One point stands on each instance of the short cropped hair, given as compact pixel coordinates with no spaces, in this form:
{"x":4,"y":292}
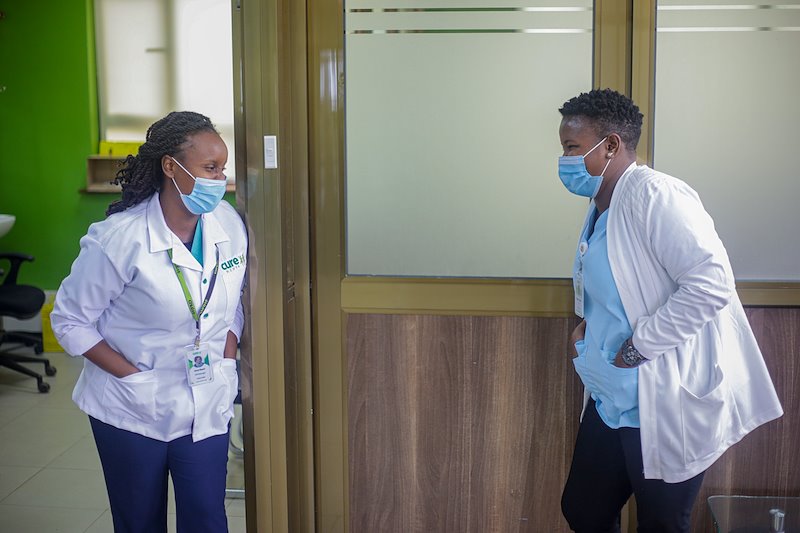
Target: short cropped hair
{"x":609,"y":112}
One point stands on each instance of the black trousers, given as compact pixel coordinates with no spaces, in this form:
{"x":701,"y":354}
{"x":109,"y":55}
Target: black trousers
{"x":606,"y":469}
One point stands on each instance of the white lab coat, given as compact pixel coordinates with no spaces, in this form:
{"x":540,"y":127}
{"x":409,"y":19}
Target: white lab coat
{"x":123,"y":289}
{"x":706,"y":385}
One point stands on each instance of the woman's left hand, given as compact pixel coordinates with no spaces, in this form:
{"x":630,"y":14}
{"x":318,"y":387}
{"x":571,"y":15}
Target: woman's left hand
{"x":231,"y":344}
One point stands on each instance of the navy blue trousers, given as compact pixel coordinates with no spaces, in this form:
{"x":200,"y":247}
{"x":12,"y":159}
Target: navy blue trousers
{"x":606,"y":469}
{"x":135,"y":468}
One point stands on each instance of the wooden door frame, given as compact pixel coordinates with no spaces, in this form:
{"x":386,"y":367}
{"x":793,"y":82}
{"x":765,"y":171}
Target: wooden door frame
{"x":270,"y":86}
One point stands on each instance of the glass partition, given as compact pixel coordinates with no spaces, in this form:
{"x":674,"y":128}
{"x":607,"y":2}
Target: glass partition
{"x":452,"y":136}
{"x":726,"y":115}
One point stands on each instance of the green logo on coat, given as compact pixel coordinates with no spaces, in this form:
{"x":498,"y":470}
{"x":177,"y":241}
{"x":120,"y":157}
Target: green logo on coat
{"x":233,"y":263}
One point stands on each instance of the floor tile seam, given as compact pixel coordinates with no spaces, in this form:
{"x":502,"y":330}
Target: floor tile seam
{"x":23,"y":482}
{"x":95,"y":470}
{"x":10,"y":433}
{"x":21,"y":465}
{"x":49,"y":463}
{"x":98,"y":470}
{"x":45,"y":406}
{"x":96,"y":520}
{"x":14,"y":417}
{"x":65,"y":452}
{"x":7,"y":399}
{"x":39,"y":473}
{"x":69,"y":507}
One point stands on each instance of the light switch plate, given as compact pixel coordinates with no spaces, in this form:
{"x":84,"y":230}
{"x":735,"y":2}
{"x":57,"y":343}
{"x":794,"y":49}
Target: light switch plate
{"x":270,"y":151}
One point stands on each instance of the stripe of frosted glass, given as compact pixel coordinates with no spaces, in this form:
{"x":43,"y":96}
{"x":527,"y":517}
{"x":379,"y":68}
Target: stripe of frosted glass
{"x":729,"y":18}
{"x":470,"y":10}
{"x":726,"y":7}
{"x":468,"y":20}
{"x":730,"y":28}
{"x":461,"y":4}
{"x":474,"y":30}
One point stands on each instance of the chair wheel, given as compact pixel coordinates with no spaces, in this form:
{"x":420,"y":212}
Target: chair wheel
{"x":50,"y":370}
{"x":44,"y":387}
{"x":38,"y":349}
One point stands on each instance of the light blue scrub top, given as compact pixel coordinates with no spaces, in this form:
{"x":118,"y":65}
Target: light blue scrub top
{"x":614,"y":390}
{"x":197,"y":242}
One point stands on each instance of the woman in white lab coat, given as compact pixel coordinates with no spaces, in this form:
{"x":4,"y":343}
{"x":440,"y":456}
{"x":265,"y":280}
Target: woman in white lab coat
{"x":671,"y":370}
{"x":153,"y":304}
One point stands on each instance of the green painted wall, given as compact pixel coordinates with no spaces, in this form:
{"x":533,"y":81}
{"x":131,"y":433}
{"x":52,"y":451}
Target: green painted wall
{"x":47,"y":128}
{"x":48,"y":125}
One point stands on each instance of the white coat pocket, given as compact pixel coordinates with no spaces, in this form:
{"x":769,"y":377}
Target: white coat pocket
{"x":214,"y":401}
{"x":230,"y":376}
{"x":131,"y":397}
{"x":588,"y":377}
{"x":709,"y":415}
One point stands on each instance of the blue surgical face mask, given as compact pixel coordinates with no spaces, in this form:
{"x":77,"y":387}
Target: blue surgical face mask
{"x":206,"y":193}
{"x":575,"y":177}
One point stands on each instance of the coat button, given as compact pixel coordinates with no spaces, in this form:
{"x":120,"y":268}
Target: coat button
{"x":205,"y":280}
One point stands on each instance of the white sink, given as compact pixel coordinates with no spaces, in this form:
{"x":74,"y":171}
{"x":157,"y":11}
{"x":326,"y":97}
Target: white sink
{"x":6,"y":221}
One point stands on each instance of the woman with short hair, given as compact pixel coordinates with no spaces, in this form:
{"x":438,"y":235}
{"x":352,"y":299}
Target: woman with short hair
{"x":672,"y":373}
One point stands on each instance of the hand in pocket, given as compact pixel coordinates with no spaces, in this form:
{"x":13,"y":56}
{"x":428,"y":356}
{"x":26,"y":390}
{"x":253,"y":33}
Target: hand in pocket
{"x":577,"y":335}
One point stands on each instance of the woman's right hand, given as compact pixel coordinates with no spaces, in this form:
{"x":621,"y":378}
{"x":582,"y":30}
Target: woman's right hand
{"x":110,"y":360}
{"x":577,"y":335}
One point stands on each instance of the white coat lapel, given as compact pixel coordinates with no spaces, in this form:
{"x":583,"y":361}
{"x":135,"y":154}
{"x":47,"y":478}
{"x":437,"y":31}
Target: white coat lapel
{"x":162,"y":238}
{"x":182,"y":257}
{"x":159,"y":235}
{"x":213,"y":234}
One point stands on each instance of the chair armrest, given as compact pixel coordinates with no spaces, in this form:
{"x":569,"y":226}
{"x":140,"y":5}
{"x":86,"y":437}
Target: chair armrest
{"x":16,"y":261}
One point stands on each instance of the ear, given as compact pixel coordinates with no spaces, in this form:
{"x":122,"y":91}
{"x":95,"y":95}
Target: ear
{"x":168,"y":166}
{"x":614,"y":145}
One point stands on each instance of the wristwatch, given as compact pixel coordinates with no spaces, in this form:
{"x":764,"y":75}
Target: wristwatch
{"x":630,"y":355}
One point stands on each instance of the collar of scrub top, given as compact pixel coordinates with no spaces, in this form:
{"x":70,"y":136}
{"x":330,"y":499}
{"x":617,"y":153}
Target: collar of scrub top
{"x":161,"y":238}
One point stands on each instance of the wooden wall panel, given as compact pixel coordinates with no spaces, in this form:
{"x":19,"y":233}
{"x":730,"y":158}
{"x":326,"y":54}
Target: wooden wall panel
{"x":467,"y":424}
{"x":459,"y":423}
{"x":767,"y":461}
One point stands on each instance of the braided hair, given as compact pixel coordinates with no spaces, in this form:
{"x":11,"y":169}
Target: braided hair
{"x":609,"y":112}
{"x":141,"y":175}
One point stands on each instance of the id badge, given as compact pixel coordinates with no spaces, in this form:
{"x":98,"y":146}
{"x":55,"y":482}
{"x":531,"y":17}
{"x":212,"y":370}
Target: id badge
{"x":577,"y":280}
{"x":577,"y":283}
{"x":198,"y":365}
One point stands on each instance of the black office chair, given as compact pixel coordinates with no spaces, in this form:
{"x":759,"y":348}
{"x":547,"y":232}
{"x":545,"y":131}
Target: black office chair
{"x":21,"y":302}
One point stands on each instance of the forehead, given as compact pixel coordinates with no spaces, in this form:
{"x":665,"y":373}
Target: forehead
{"x":205,"y":145}
{"x":576,"y":128}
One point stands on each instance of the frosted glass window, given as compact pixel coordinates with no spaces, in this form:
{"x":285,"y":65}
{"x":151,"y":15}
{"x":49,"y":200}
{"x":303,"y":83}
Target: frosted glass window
{"x":726,"y":115}
{"x":157,"y":56}
{"x":452,"y":136}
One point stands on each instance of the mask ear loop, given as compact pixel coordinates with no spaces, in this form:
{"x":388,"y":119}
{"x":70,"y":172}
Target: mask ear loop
{"x":584,"y":155}
{"x":605,"y":167}
{"x":176,"y":186}
{"x":187,"y":172}
{"x":195,"y":179}
{"x":590,"y":151}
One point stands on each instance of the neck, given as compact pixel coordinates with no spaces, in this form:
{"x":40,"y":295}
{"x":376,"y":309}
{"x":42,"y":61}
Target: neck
{"x":178,"y":218}
{"x":612,"y":176}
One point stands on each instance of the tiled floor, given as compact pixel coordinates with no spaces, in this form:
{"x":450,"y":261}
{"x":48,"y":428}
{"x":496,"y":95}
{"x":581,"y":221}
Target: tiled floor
{"x":50,"y":475}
